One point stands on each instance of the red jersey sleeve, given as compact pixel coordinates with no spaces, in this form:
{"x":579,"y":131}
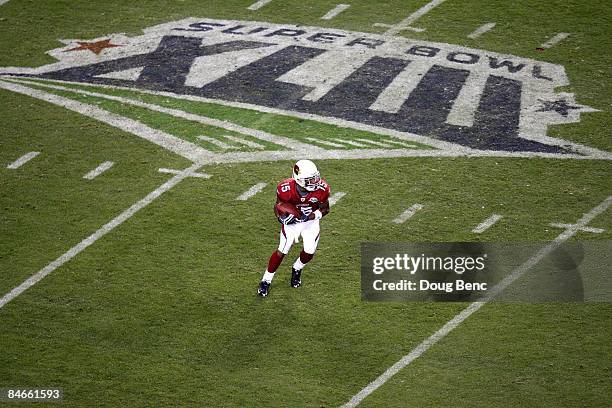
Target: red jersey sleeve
{"x":283,"y":190}
{"x":326,"y":192}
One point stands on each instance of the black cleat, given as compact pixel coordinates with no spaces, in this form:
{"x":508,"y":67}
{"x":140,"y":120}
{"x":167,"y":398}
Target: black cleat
{"x":263,"y":289}
{"x":295,"y":278}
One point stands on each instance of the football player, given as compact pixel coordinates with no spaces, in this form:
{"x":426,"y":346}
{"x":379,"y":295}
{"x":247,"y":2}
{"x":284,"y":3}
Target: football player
{"x":309,"y":193}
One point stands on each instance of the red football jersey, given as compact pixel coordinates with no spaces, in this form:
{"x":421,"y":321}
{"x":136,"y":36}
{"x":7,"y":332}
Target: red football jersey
{"x":287,"y":191}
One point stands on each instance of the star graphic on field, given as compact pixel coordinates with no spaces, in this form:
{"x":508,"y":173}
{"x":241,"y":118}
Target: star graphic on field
{"x":96,"y":47}
{"x":560,"y":106}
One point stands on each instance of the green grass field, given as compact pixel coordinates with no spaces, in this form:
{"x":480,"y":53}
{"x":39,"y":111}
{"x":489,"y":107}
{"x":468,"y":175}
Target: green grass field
{"x":162,"y":311}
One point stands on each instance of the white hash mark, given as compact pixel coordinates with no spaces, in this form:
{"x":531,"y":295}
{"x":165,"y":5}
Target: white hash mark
{"x":98,"y":170}
{"x":259,"y":4}
{"x":22,"y":160}
{"x":486,"y":224}
{"x":555,"y":40}
{"x":335,"y":11}
{"x":481,"y":30}
{"x":335,"y":197}
{"x":406,"y":215}
{"x":251,"y":191}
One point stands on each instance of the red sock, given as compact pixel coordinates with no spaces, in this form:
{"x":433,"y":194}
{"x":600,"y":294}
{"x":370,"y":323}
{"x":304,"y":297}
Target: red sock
{"x":274,"y":262}
{"x":305,"y":257}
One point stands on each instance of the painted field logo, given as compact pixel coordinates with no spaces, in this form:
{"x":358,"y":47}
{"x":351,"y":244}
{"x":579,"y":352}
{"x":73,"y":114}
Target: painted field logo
{"x":457,"y":100}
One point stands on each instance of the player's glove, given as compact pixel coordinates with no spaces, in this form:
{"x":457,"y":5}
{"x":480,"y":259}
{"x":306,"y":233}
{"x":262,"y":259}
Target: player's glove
{"x":286,"y":219}
{"x":304,"y":218}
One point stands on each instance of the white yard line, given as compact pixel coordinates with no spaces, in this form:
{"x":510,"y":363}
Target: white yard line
{"x":416,"y":29}
{"x":405,"y":23}
{"x":585,"y":229}
{"x":481,"y":30}
{"x":473,"y":307}
{"x":374,"y":142}
{"x":259,"y":4}
{"x":555,"y":40}
{"x":244,"y":142}
{"x":191,"y":174}
{"x":350,"y":142}
{"x":407,"y":145}
{"x":98,"y":170}
{"x":3,"y":2}
{"x":258,"y":134}
{"x":335,"y":11}
{"x":251,"y":191}
{"x":22,"y":160}
{"x":167,"y":141}
{"x":406,"y":215}
{"x":324,"y":142}
{"x":486,"y":224}
{"x":347,"y":154}
{"x":335,"y":197}
{"x":216,"y":142}
{"x":105,"y":229}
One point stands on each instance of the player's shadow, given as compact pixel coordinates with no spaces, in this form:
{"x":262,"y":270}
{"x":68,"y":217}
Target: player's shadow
{"x":558,"y":278}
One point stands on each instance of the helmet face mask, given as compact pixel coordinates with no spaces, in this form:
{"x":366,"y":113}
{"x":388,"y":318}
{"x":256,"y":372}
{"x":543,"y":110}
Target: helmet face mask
{"x":310,"y":183}
{"x":306,"y":175}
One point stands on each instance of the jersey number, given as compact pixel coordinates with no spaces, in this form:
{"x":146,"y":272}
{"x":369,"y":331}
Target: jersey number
{"x":285,"y":187}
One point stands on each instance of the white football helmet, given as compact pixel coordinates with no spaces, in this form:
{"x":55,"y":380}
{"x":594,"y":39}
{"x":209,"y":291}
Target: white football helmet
{"x":306,"y":175}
